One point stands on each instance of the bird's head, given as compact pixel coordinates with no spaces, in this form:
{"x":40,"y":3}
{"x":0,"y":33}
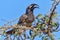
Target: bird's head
{"x":31,"y":7}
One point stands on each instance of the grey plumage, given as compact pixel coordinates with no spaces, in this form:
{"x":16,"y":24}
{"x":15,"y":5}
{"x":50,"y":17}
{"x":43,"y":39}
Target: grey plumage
{"x":28,"y":17}
{"x":25,"y":19}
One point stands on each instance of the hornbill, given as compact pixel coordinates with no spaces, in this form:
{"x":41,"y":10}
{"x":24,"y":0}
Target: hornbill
{"x":27,"y":18}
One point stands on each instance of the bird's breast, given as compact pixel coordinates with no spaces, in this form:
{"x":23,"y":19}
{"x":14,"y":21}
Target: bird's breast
{"x":30,"y":18}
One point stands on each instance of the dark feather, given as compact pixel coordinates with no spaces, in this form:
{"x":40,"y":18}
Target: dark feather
{"x":28,"y":17}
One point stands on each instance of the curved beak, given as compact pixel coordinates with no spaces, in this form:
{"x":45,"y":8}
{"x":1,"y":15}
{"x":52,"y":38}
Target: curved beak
{"x":35,"y":6}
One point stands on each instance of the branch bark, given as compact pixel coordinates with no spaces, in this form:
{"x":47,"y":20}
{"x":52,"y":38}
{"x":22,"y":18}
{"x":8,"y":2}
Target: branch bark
{"x":51,"y":14}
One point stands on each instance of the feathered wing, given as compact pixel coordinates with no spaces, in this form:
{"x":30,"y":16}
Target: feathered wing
{"x":26,"y":20}
{"x":29,"y":20}
{"x":22,"y":19}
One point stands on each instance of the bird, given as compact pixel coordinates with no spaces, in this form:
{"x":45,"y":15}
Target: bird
{"x":27,"y":18}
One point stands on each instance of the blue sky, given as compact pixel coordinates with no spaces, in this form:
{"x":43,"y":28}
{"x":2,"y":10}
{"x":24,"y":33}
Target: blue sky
{"x":11,"y":9}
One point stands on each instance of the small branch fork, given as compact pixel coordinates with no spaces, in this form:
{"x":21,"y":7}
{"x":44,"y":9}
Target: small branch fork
{"x":51,"y":14}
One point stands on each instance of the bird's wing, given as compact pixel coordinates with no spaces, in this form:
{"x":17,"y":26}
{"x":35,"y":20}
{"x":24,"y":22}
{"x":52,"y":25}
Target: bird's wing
{"x":30,"y":18}
{"x":22,"y":18}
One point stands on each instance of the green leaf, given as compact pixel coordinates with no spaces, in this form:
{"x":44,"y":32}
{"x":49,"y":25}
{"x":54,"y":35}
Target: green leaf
{"x":39,"y":15}
{"x":53,"y":24}
{"x":55,"y":14}
{"x":44,"y":38}
{"x":51,"y":37}
{"x":16,"y":33}
{"x":38,"y":26}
